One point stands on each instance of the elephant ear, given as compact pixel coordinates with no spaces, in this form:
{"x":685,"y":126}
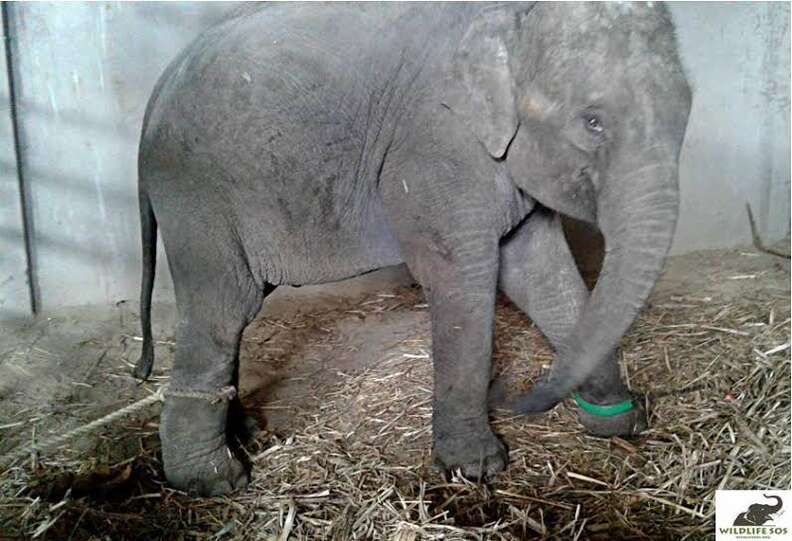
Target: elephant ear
{"x":483,"y":90}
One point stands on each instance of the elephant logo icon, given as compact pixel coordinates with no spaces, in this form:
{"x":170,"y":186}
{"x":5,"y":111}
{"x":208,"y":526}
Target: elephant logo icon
{"x":759,"y":513}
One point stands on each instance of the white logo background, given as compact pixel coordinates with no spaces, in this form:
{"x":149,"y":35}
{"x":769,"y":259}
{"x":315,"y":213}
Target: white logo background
{"x":730,"y":503}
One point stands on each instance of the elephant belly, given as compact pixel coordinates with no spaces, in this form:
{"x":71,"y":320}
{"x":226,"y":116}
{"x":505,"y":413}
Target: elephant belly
{"x":296,"y":244}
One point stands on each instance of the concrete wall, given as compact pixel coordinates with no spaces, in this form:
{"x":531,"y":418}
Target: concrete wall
{"x":84,"y":72}
{"x":15,"y":297}
{"x":737,"y":144}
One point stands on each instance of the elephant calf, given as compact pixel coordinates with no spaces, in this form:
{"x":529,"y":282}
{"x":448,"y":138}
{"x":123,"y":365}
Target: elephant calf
{"x":307,"y":143}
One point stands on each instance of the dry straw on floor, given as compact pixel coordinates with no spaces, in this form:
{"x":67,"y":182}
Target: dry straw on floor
{"x":354,"y":463}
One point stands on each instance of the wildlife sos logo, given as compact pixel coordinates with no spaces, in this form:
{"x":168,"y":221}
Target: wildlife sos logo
{"x":753,"y":514}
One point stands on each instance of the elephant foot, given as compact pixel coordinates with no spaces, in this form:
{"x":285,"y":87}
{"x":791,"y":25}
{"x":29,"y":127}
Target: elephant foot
{"x":477,"y":457}
{"x":214,"y":473}
{"x":626,"y":418}
{"x":195,"y":453}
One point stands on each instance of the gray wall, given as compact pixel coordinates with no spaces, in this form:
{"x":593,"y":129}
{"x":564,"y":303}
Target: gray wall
{"x":737,"y":144}
{"x":14,"y":288}
{"x":83,"y":73}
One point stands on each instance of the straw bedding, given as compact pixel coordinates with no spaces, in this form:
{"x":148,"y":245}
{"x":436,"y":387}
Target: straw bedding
{"x":354,"y":460}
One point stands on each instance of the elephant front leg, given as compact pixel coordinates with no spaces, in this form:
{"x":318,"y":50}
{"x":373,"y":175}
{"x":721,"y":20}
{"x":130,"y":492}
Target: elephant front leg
{"x":461,"y":295}
{"x":538,"y":273}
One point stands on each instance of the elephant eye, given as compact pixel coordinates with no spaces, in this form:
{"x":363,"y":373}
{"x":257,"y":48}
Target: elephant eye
{"x":593,"y":124}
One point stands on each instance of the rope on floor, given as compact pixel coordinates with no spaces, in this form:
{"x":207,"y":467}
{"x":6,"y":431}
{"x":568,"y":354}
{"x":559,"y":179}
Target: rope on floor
{"x":25,"y":450}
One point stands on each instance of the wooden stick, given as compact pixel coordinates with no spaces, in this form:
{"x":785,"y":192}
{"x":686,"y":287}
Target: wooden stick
{"x":757,"y":241}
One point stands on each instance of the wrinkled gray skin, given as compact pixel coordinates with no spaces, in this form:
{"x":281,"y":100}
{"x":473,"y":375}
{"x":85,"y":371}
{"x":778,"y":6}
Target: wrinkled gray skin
{"x":303,"y":144}
{"x":759,"y":513}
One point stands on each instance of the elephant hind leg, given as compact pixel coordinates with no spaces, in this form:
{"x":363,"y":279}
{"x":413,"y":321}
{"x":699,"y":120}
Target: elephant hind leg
{"x":216,"y":297}
{"x":539,"y":275}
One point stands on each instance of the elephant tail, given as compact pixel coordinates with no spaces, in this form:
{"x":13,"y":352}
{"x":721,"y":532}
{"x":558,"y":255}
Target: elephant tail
{"x":148,"y":230}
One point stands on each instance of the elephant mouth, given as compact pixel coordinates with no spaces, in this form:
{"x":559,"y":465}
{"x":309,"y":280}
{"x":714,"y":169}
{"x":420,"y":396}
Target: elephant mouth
{"x":583,"y":190}
{"x":590,"y":176}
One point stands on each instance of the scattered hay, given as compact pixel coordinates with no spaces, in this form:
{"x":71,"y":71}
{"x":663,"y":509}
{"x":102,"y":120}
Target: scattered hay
{"x":355,"y":462}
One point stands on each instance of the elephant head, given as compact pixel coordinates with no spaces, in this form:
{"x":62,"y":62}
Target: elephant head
{"x":587,"y":104}
{"x":758,"y":513}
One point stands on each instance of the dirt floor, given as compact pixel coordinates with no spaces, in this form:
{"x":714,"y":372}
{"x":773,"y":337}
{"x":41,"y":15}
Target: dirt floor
{"x":340,"y":380}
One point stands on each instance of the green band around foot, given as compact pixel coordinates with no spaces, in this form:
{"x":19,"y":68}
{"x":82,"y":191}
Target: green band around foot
{"x":604,"y":411}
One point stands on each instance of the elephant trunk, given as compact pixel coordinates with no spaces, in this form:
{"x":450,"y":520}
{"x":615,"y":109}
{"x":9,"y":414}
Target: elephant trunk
{"x":637,"y":214}
{"x":774,"y":508}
